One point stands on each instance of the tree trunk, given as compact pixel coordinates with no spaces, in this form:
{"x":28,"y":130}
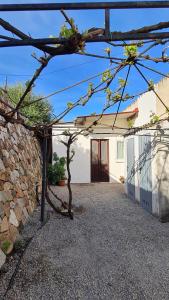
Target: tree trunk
{"x":68,"y":160}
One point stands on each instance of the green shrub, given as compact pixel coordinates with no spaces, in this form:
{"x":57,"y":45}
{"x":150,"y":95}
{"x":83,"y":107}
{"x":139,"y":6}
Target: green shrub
{"x":5,"y":246}
{"x":56,"y":171}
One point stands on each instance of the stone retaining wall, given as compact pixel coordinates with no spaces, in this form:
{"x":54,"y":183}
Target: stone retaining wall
{"x":20,"y":172}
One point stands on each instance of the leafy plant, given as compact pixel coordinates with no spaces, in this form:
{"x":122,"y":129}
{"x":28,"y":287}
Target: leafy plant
{"x":5,"y":246}
{"x":56,"y":171}
{"x":66,"y":32}
{"x":90,"y":89}
{"x":106,"y":75}
{"x":130,"y":51}
{"x":154,"y":119}
{"x":122,"y":82}
{"x":116,"y":97}
{"x":108,"y":92}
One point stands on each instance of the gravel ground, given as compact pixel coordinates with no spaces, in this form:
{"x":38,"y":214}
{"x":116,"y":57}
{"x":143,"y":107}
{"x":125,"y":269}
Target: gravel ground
{"x":112,"y":250}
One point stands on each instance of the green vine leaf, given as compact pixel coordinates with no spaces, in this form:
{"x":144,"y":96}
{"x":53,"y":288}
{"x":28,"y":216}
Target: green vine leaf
{"x":121,"y":82}
{"x":131,"y":51}
{"x":107,"y":50}
{"x":116,"y":97}
{"x":154,"y":119}
{"x":69,"y":104}
{"x":108,"y":93}
{"x":106,"y":75}
{"x":66,"y":32}
{"x":90,"y":89}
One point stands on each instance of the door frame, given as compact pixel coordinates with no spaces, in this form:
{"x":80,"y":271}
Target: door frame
{"x":99,"y":153}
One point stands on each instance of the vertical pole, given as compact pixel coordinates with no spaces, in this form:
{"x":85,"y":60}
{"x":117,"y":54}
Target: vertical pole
{"x":107,"y":23}
{"x":44,"y":156}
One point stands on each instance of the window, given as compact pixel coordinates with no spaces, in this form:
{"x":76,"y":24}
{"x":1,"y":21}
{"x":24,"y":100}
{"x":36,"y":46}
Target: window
{"x":120,"y":150}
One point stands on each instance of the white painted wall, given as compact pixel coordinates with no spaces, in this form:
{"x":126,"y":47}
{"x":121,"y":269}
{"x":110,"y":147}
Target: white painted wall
{"x":81,"y":165}
{"x":146,"y":107}
{"x":146,"y":104}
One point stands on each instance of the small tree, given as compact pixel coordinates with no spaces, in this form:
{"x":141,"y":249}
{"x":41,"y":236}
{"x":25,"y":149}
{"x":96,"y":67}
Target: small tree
{"x":38,"y":112}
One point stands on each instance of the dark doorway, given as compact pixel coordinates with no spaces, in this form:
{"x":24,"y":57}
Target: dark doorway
{"x":99,"y":160}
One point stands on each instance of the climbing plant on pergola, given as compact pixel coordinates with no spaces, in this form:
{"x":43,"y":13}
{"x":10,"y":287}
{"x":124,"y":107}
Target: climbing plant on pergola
{"x":72,"y":41}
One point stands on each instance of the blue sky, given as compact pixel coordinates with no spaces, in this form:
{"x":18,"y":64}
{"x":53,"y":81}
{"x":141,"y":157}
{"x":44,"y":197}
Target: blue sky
{"x":17,"y":63}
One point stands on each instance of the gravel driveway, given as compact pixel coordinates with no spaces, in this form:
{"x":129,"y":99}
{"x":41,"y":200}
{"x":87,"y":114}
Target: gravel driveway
{"x":113,"y":250}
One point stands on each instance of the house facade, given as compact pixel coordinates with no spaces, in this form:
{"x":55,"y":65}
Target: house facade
{"x":99,"y":156}
{"x":142,"y":159}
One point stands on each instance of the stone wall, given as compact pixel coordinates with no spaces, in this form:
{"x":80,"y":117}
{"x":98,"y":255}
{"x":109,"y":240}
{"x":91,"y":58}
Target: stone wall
{"x":20,"y":171}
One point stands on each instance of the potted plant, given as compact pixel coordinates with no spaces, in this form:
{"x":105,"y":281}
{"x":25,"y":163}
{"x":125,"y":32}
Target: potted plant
{"x":56,"y":171}
{"x":61,"y":171}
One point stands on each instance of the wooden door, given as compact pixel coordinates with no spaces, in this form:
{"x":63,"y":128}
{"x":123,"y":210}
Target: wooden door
{"x":99,"y":160}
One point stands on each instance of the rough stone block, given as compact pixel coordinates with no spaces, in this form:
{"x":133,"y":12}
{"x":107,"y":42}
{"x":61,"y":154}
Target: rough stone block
{"x":7,"y":186}
{"x":2,"y":258}
{"x":25,"y":212}
{"x":18,"y":213}
{"x":21,"y":202}
{"x":14,"y":176}
{"x":4,"y":236}
{"x":4,"y":226}
{"x":5,"y":153}
{"x":6,"y":209}
{"x":1,"y":210}
{"x":2,"y":119}
{"x":12,"y":204}
{"x":12,"y":218}
{"x":5,"y":196}
{"x":2,"y":167}
{"x":13,"y":233}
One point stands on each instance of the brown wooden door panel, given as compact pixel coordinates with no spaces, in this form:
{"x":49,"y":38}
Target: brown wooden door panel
{"x":95,"y":155}
{"x":104,"y":158}
{"x":99,"y":160}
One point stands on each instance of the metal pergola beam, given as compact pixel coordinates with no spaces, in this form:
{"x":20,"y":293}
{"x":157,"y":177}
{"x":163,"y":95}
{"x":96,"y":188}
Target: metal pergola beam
{"x":111,"y":37}
{"x":84,"y":5}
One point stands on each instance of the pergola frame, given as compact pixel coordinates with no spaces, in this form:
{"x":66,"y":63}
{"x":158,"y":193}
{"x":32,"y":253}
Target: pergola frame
{"x":106,"y":35}
{"x":85,"y":5}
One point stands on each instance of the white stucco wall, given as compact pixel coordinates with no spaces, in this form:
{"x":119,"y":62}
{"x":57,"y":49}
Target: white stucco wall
{"x":146,"y":105}
{"x":81,"y":165}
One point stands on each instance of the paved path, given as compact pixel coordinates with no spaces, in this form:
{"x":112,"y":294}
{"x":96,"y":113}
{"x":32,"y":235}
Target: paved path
{"x":112,"y":251}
